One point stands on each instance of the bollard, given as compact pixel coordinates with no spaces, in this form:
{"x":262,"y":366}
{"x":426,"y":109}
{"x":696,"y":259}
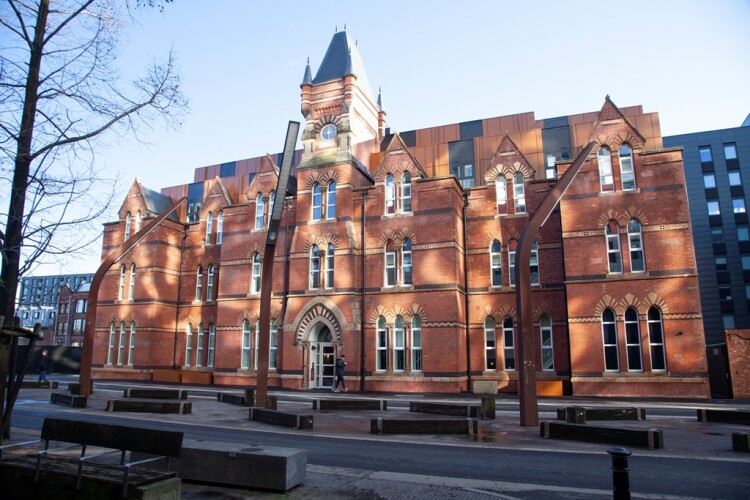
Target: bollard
{"x":271,"y":403}
{"x":620,"y":473}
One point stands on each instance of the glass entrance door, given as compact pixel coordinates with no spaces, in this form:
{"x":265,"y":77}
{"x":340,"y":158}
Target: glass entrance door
{"x":323,"y":368}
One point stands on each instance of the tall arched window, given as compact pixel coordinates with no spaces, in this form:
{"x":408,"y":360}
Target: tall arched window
{"x":314,"y":267}
{"x":609,"y":333}
{"x":399,"y":358}
{"x":548,"y":353}
{"x":317,"y":202}
{"x":416,"y":344}
{"x":501,"y":195}
{"x":131,"y":292}
{"x":390,"y":195}
{"x":614,"y":256}
{"x":260,"y":208}
{"x":211,"y":344}
{"x":534,"y":264}
{"x":496,"y":264}
{"x":509,"y":349}
{"x":606,"y":180}
{"x":199,"y":350}
{"x":406,"y":263}
{"x":189,"y":345}
{"x":245,"y":359}
{"x":635,"y":243}
{"x":128,"y":222}
{"x":111,"y":350}
{"x":519,"y":194}
{"x":656,"y":340}
{"x":490,"y":344}
{"x":273,"y":344}
{"x":626,"y":168}
{"x":256,"y":344}
{"x":219,"y":228}
{"x":390,"y":264}
{"x":512,"y":262}
{"x":138,"y":220}
{"x":381,"y":353}
{"x":131,"y":345}
{"x":633,"y":340}
{"x":330,"y":266}
{"x":406,"y":193}
{"x":209,"y":227}
{"x":121,"y":345}
{"x":255,"y":278}
{"x":331,"y":202}
{"x":210,"y":284}
{"x":199,"y":283}
{"x":121,"y":290}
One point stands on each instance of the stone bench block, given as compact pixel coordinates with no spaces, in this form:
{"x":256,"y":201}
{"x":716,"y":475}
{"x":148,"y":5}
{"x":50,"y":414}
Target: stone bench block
{"x":135,"y":405}
{"x":446,"y":409}
{"x":741,"y":441}
{"x":646,"y":438}
{"x":725,"y":416}
{"x":350,"y":404}
{"x":73,"y":400}
{"x":275,"y":417}
{"x":396,"y":426}
{"x":155,"y":393}
{"x":30,"y":384}
{"x":580,"y":414}
{"x":232,"y":399}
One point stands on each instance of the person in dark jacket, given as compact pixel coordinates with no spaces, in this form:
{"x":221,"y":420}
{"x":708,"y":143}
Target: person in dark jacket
{"x":340,"y":365}
{"x":44,"y":364}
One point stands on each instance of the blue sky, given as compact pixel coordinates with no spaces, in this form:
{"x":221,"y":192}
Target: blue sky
{"x":437,"y":62}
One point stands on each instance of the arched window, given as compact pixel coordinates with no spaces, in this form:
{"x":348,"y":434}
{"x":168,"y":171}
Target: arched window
{"x":314,"y":268}
{"x":406,"y":193}
{"x":271,"y":203}
{"x":534,"y":264}
{"x":128,"y":222}
{"x":260,"y":208}
{"x":211,"y":344}
{"x":330,"y":266}
{"x":390,"y":264}
{"x":255,"y":278}
{"x":131,"y":292}
{"x":512,"y":262}
{"x":509,"y":350}
{"x":121,"y":290}
{"x":501,"y":195}
{"x":399,"y":358}
{"x":496,"y":264}
{"x":519,"y":195}
{"x":273,"y":344}
{"x":199,"y":351}
{"x":131,"y":345}
{"x":381,"y":354}
{"x":138,"y":219}
{"x":219,"y":228}
{"x":635,"y":242}
{"x":626,"y":168}
{"x":209,"y":227}
{"x":390,"y":195}
{"x":317,"y":202}
{"x":331,"y":202}
{"x":606,"y":180}
{"x":256,"y":344}
{"x":111,"y":350}
{"x":656,"y":340}
{"x":614,"y":256}
{"x":633,"y":340}
{"x":406,"y":263}
{"x":121,"y":346}
{"x":416,"y":344}
{"x":199,"y":283}
{"x":245,"y":359}
{"x":210,"y":284}
{"x":609,"y":332}
{"x":548,"y":354}
{"x":490,"y":344}
{"x":189,"y":345}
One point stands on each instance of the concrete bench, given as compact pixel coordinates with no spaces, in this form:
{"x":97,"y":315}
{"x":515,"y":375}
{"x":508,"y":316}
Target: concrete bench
{"x":741,"y":441}
{"x":108,"y":473}
{"x":580,"y":414}
{"x":30,"y":384}
{"x":235,"y":399}
{"x":148,"y":406}
{"x":725,"y":416}
{"x":350,"y":404}
{"x":446,"y":409}
{"x":156,"y":393}
{"x":65,"y":399}
{"x":280,"y":418}
{"x":396,"y":426}
{"x":650,"y":438}
{"x":75,"y":388}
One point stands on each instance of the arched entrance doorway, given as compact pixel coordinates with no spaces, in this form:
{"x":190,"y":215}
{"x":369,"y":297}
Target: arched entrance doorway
{"x":322,"y":357}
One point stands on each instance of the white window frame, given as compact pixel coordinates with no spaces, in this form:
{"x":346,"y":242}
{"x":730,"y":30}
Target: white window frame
{"x":255,"y":274}
{"x":220,"y":227}
{"x":128,"y":223}
{"x":627,"y":172}
{"x":209,"y":227}
{"x":635,"y":246}
{"x":407,"y":264}
{"x":199,"y":347}
{"x":390,"y":271}
{"x":416,"y":344}
{"x":210,"y":284}
{"x":496,"y":264}
{"x":260,"y":208}
{"x":331,"y":201}
{"x":534,"y":264}
{"x":138,"y":220}
{"x":509,"y":344}
{"x":317,"y":202}
{"x":330,"y":270}
{"x":519,"y":194}
{"x":512,"y":246}
{"x":121,"y":291}
{"x":390,"y":195}
{"x":199,"y":284}
{"x":656,"y":339}
{"x":501,"y":195}
{"x":608,"y":324}
{"x":546,"y":343}
{"x":606,"y":177}
{"x":314,"y":282}
{"x":131,"y":288}
{"x":406,"y":193}
{"x":211,"y":345}
{"x":399,"y":345}
{"x":381,"y":345}
{"x":111,"y":350}
{"x":273,"y":344}
{"x":121,"y":345}
{"x":246,"y":343}
{"x":633,"y":340}
{"x":189,"y":345}
{"x":490,"y":344}
{"x":131,"y":345}
{"x":612,"y":239}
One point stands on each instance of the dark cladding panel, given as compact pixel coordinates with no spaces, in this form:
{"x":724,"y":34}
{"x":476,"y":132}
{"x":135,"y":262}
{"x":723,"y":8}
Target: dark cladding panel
{"x":470,"y":130}
{"x":228,"y":169}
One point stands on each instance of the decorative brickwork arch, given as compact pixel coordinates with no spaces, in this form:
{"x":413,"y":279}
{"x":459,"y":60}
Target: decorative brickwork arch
{"x":655,"y":300}
{"x":607,"y":302}
{"x":637,"y":214}
{"x":318,"y":310}
{"x":322,"y":241}
{"x":629,"y":301}
{"x":324,"y":179}
{"x":397,"y":237}
{"x":545,"y":309}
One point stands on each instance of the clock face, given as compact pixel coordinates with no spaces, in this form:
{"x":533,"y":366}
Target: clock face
{"x":328,"y":133}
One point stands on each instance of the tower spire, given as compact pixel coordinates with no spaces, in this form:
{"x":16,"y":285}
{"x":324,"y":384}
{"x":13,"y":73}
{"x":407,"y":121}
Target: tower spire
{"x":307,"y":79}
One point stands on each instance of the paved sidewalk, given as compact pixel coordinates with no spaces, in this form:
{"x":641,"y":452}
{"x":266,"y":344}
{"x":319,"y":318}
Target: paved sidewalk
{"x":684,"y":436}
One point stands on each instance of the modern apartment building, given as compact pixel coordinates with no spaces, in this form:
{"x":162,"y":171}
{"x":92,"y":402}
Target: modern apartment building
{"x":38,"y":297}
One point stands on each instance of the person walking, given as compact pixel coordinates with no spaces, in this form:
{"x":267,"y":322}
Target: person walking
{"x":44,"y":365}
{"x":340,"y":365}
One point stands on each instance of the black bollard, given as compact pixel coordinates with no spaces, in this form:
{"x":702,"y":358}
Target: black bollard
{"x":620,"y":473}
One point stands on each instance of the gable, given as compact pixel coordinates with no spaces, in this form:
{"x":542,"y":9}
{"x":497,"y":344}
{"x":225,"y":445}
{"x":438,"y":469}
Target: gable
{"x":396,"y":160}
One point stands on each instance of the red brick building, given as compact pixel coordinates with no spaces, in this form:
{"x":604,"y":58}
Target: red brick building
{"x":399,"y":250}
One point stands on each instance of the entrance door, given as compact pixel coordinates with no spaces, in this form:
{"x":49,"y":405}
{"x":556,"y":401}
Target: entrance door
{"x":322,"y":360}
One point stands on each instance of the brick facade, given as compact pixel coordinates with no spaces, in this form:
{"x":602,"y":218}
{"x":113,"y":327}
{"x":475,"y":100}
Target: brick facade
{"x":738,"y":350}
{"x":383,"y":255}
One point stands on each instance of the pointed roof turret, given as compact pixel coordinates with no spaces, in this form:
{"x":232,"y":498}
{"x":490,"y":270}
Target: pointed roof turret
{"x":307,"y":79}
{"x":380,"y":100}
{"x":342,"y":58}
{"x":349,"y":70}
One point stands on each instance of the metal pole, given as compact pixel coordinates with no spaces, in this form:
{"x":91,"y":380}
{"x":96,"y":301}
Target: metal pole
{"x":620,"y":473}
